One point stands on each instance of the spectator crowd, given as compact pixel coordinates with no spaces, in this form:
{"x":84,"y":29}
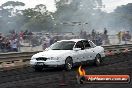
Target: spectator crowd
{"x":13,"y":41}
{"x":97,"y":37}
{"x":124,"y":36}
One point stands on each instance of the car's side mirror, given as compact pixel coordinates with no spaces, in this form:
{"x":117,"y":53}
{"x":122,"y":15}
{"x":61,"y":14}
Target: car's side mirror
{"x":76,"y":49}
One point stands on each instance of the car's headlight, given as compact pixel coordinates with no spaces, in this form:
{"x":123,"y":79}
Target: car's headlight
{"x":54,"y":58}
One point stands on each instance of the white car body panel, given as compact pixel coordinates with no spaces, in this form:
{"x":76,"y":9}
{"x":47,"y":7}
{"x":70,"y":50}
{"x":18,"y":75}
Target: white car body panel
{"x":77,"y":56}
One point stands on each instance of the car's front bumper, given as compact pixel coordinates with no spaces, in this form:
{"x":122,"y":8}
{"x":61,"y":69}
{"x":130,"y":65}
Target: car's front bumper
{"x":47,"y":63}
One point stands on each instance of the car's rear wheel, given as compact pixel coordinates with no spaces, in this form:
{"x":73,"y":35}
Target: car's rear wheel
{"x":68,"y":63}
{"x":38,"y":69}
{"x":97,"y":60}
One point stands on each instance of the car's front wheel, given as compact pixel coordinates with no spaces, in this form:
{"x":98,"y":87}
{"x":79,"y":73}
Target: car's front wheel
{"x":68,"y":63}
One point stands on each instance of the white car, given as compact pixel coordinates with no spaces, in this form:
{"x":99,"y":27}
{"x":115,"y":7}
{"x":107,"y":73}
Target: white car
{"x":67,"y":53}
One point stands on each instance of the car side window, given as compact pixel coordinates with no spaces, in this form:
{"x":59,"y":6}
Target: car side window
{"x":79,"y":45}
{"x":92,"y":44}
{"x":86,"y":44}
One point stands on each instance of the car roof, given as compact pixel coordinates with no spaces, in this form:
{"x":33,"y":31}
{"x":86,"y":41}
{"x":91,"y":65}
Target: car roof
{"x":74,"y":40}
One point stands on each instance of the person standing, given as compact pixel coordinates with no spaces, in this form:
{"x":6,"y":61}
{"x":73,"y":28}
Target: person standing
{"x":119,"y":37}
{"x":14,"y":45}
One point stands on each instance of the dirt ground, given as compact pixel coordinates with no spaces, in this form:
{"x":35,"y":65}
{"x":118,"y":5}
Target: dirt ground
{"x":53,"y":78}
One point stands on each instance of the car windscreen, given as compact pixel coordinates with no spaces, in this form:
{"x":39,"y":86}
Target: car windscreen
{"x":64,"y":45}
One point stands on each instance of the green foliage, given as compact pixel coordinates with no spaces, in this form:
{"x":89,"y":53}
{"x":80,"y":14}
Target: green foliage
{"x":13,"y":3}
{"x":76,"y":11}
{"x":123,"y":16}
{"x":39,"y":18}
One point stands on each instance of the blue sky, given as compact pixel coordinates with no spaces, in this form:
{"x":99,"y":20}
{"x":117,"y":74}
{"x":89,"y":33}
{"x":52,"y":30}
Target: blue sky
{"x":110,"y":5}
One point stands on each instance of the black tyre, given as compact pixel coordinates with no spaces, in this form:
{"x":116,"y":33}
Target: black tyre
{"x":98,"y":60}
{"x":68,"y":64}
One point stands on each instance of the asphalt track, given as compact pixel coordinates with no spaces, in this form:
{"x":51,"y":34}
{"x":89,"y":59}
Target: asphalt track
{"x":52,"y":78}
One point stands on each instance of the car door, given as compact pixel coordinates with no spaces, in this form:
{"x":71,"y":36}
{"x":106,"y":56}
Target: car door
{"x":80,"y":54}
{"x":89,"y":52}
{"x":93,"y":48}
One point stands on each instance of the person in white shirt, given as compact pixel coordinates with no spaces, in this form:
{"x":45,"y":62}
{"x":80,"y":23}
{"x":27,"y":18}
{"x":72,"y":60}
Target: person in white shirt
{"x":14,"y":45}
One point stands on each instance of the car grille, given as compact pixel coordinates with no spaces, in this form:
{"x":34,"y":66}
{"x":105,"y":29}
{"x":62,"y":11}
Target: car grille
{"x":41,"y":58}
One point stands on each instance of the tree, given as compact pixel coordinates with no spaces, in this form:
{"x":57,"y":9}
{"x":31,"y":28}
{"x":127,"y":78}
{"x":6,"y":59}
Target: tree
{"x":38,"y":18}
{"x":78,"y":11}
{"x":123,"y":16}
{"x":10,"y":7}
{"x":10,"y":15}
{"x":41,"y":9}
